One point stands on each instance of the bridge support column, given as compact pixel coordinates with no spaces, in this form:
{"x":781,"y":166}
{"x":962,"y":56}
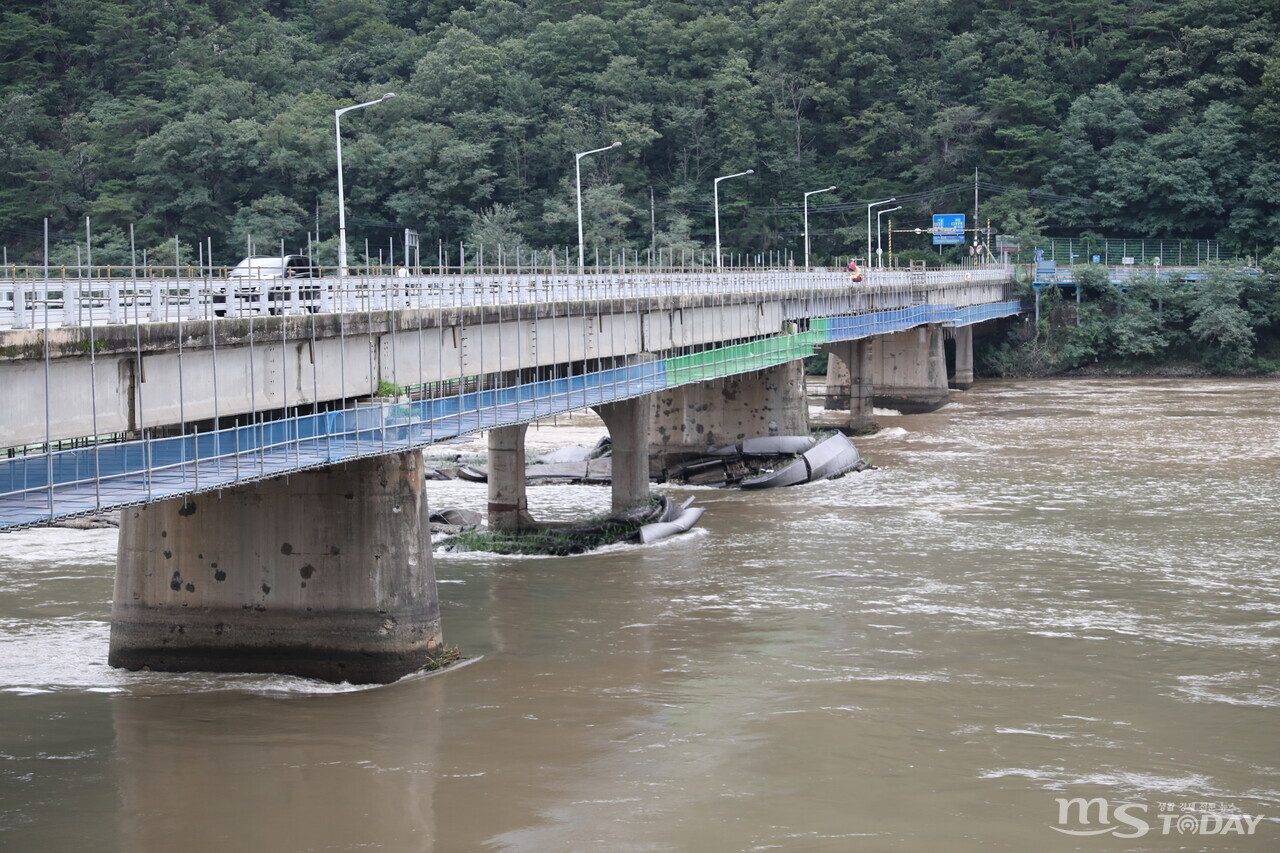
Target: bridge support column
{"x":508,"y":505}
{"x":910,"y":370}
{"x":690,"y":418}
{"x":852,"y":361}
{"x":963,"y":378}
{"x":838,"y":378}
{"x":628,"y":423}
{"x":324,"y":574}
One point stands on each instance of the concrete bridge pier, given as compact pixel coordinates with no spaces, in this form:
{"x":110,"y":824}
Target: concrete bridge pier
{"x":849,"y":387}
{"x":508,"y":503}
{"x":690,"y":418}
{"x":839,"y":377}
{"x":325,"y":574}
{"x":628,"y":423}
{"x":963,"y":377}
{"x":909,"y":370}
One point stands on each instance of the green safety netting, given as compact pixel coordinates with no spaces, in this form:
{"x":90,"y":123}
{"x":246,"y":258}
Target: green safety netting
{"x":739,"y":358}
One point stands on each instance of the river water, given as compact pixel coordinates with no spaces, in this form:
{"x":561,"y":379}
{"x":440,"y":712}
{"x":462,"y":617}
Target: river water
{"x":1046,"y":590}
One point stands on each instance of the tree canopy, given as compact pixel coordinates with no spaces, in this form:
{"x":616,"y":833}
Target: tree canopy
{"x":214,"y":120}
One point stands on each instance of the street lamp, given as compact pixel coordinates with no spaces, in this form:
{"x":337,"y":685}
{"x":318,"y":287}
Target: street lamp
{"x":577,"y":171}
{"x":879,"y":253}
{"x":806,"y":222}
{"x":716,"y":195}
{"x":874,"y":204}
{"x":342,"y":206}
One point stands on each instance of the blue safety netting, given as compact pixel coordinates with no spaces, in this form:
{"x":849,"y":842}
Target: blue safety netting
{"x":79,"y":481}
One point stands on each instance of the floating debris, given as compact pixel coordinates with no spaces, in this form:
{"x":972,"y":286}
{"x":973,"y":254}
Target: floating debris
{"x":89,"y":522}
{"x":676,"y":519}
{"x":658,"y":518}
{"x":473,"y":474}
{"x":777,"y":445}
{"x":831,"y":458}
{"x":577,"y":453}
{"x":454,"y":519}
{"x":770,"y":462}
{"x":448,"y":656}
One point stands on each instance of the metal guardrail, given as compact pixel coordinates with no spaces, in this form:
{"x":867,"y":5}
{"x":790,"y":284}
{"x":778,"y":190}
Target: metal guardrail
{"x":79,"y":298}
{"x":1125,"y":277}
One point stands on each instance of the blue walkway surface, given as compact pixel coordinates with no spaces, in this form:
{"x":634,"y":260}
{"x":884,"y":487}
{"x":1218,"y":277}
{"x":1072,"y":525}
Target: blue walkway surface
{"x":38,"y":488}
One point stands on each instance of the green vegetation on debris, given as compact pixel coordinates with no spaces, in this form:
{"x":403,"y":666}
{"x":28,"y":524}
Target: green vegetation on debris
{"x":447,"y":657}
{"x":215,"y":120}
{"x":556,"y":540}
{"x":550,"y":542}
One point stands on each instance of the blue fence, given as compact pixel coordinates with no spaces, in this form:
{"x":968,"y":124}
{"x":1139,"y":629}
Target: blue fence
{"x":1049,"y":275}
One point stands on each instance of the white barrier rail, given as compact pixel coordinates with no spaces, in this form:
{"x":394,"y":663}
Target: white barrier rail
{"x":89,"y":297}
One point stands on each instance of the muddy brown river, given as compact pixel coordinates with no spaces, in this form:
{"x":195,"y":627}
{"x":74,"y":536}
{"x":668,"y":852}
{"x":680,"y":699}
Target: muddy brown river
{"x":1048,"y":620}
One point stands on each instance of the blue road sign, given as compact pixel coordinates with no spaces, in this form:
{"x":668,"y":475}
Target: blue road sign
{"x":948,"y":229}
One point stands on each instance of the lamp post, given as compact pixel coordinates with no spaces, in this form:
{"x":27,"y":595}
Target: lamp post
{"x":879,"y":253}
{"x":806,"y":221}
{"x":577,"y":173}
{"x":716,"y":197}
{"x":874,"y":204}
{"x":342,"y":205}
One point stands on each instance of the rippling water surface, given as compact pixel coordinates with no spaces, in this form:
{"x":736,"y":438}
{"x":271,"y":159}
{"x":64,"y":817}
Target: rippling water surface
{"x":1045,"y":590}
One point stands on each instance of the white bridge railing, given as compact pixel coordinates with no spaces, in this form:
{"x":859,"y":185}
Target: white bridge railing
{"x":100,"y":296}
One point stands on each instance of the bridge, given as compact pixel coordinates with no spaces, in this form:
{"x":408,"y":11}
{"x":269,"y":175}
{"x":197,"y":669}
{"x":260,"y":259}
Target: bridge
{"x":264,"y":446}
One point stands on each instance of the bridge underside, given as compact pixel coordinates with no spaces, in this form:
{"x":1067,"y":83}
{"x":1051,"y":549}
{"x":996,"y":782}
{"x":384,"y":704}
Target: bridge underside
{"x":289,"y":532}
{"x":905,"y":371}
{"x":221,"y":448}
{"x":328,"y":574}
{"x":688,"y":420}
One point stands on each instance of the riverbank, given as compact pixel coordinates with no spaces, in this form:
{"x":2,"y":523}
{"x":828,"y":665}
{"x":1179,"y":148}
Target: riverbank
{"x":1120,"y":370}
{"x":1176,"y":370}
{"x":1128,"y":370}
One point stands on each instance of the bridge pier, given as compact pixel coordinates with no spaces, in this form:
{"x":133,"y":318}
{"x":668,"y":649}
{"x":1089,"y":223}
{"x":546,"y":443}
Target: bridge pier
{"x":690,"y":418}
{"x":508,"y":501}
{"x":963,"y":377}
{"x":849,"y":387}
{"x":628,"y":423}
{"x":324,"y":574}
{"x":909,"y":370}
{"x":838,"y":378}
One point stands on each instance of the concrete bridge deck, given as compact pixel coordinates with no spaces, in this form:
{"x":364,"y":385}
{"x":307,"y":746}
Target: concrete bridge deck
{"x":253,"y":397}
{"x":327,"y":572}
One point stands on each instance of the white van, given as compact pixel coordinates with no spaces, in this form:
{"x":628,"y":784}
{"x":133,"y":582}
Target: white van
{"x":268,"y":282}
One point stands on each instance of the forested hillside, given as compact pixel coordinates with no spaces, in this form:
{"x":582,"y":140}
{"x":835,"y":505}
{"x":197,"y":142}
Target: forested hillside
{"x":215,"y":119}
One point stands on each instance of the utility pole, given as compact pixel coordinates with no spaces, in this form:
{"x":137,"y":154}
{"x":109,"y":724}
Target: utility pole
{"x":653,"y":222}
{"x":975,"y":200}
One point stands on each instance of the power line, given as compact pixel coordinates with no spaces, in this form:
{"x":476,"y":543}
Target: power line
{"x":860,"y":205}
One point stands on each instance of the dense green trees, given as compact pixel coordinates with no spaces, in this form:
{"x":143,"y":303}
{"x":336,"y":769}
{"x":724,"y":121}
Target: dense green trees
{"x":1227,"y":323}
{"x":215,"y":119}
